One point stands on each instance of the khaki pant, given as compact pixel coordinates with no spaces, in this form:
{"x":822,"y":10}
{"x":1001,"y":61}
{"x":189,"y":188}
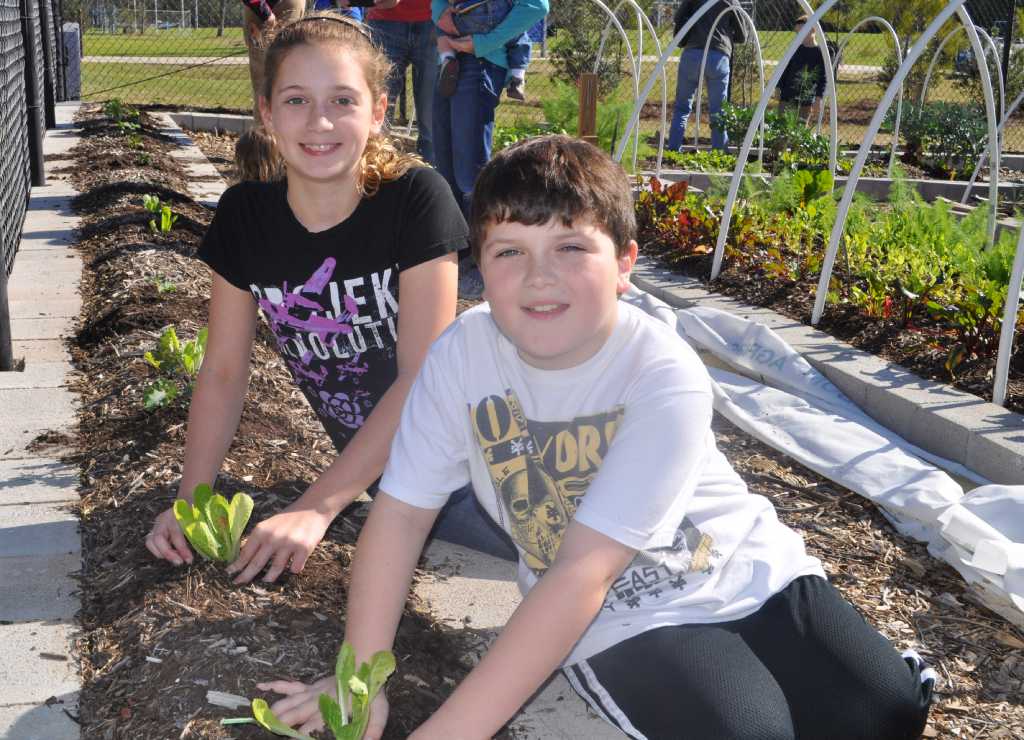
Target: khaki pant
{"x":284,"y":11}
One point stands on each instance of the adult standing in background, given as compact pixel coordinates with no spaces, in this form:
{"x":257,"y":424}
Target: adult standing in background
{"x":716,"y":69}
{"x":259,"y":17}
{"x":405,"y":31}
{"x":803,"y":81}
{"x":464,"y":121}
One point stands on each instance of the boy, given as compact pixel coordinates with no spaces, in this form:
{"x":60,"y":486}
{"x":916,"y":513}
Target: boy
{"x":674,"y":600}
{"x":803,"y":81}
{"x":469,"y":17}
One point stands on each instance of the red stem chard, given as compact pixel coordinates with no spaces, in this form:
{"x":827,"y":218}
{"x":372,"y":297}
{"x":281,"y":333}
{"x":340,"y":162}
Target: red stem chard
{"x":211,"y":524}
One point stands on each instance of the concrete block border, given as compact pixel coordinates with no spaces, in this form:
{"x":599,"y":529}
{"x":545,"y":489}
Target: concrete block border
{"x":958,"y":426}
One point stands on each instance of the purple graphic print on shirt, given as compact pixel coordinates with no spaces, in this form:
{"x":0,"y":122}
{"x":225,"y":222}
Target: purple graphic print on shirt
{"x":328,"y":335}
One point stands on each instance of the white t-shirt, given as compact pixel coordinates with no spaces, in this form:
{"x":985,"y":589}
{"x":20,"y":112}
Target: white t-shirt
{"x":623,"y":444}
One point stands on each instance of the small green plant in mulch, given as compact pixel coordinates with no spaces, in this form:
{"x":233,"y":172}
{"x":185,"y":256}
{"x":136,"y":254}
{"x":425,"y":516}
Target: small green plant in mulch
{"x":349,"y":714}
{"x":163,"y":217}
{"x":174,"y":360}
{"x":212,"y":524}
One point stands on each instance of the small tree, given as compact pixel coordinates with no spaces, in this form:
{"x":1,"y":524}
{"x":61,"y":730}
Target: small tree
{"x":573,"y":51}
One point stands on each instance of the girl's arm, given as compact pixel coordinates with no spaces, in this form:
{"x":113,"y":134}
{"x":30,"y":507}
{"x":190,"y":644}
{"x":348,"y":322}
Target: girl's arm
{"x":538,"y":637}
{"x":427,"y":295}
{"x":215,"y":409}
{"x":386,"y":555}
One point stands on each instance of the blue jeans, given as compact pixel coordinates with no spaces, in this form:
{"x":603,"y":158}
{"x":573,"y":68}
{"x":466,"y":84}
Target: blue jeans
{"x":463,"y":521}
{"x":716,"y":78}
{"x":482,"y":17}
{"x":464,"y":125}
{"x":405,"y":43}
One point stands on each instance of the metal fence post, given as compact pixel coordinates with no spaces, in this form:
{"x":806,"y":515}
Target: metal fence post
{"x":32,"y":89}
{"x":1008,"y":37}
{"x":6,"y":350}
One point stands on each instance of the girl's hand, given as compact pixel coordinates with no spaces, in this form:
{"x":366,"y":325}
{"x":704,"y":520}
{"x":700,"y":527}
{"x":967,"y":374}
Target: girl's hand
{"x":166,"y":540}
{"x":301,"y":705}
{"x":288,"y":536}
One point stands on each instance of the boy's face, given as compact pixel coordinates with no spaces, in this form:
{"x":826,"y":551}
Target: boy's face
{"x":554,"y":289}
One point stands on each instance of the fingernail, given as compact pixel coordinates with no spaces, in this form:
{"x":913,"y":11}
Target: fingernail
{"x":176,"y":561}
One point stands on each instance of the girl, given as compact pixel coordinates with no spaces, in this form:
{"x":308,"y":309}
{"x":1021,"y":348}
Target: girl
{"x":324,"y":255}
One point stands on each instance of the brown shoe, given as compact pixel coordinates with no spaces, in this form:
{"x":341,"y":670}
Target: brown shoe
{"x":448,"y":77}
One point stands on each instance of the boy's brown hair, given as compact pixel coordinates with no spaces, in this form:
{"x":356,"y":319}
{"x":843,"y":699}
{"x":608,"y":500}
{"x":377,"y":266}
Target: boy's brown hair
{"x":553,"y":177}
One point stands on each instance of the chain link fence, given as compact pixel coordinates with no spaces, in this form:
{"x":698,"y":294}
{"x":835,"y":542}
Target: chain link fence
{"x":191,"y":53}
{"x":29,"y":33}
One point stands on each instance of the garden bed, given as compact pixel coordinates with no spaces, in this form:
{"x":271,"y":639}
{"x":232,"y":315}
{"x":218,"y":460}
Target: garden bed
{"x":895,"y":301}
{"x":156,"y":638}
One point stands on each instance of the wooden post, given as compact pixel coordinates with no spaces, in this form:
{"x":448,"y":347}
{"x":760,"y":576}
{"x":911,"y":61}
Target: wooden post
{"x":588,"y":108}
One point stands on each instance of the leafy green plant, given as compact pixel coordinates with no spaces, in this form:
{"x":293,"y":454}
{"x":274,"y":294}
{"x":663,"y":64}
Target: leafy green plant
{"x":705,"y":160}
{"x":506,"y":136}
{"x":212,"y":524}
{"x":128,"y":128}
{"x":163,"y":285}
{"x":164,"y":218}
{"x":173,"y":359}
{"x":943,"y":137}
{"x":144,"y":159}
{"x":349,"y":714}
{"x":789,"y":144}
{"x":119,"y":111}
{"x":562,"y":112}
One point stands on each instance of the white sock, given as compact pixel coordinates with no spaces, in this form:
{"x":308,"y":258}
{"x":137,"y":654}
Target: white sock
{"x":519,"y":74}
{"x":442,"y":55}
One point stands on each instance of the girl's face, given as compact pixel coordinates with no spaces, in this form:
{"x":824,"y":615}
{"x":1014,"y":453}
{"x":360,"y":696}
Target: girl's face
{"x":322,"y":112}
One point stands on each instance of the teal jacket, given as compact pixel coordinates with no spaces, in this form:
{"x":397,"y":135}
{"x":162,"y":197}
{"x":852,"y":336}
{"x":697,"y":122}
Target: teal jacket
{"x":491,"y":45}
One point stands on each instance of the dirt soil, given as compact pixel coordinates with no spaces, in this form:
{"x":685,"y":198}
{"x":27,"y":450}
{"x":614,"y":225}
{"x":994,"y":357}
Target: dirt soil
{"x":156,"y":638}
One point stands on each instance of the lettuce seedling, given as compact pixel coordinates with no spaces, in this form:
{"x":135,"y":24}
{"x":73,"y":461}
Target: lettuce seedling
{"x":211,"y":524}
{"x":173,"y":358}
{"x":151,"y":203}
{"x":347,"y":716}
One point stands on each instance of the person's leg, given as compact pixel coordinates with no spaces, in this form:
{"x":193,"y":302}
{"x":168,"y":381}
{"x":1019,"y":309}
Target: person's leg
{"x":463,"y":521}
{"x":686,"y":86}
{"x":442,"y":141}
{"x":393,"y":39}
{"x":716,"y":73}
{"x":423,"y":54}
{"x":472,"y":121}
{"x":690,"y":681}
{"x":843,"y":680}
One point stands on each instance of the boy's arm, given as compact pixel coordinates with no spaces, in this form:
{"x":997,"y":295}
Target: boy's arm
{"x":522,"y":15}
{"x":387,"y":551}
{"x":538,"y":637}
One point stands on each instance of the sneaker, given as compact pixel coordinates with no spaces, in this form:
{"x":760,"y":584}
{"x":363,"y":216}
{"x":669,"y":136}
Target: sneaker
{"x":471,"y":282}
{"x":516,"y":89}
{"x":448,"y":77}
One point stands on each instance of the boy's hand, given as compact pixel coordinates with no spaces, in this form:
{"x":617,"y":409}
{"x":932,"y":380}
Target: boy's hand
{"x":166,"y":540}
{"x":444,"y":43}
{"x":288,"y":536}
{"x":301,"y":705}
{"x":463,"y":44}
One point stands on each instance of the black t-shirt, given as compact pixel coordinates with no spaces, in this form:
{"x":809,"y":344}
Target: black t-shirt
{"x":807,"y":63}
{"x":331,"y":297}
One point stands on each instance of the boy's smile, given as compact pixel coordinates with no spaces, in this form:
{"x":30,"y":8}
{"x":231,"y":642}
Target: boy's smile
{"x":554,"y":289}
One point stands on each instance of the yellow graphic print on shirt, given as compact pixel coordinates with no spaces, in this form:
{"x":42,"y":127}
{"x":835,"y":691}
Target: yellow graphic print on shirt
{"x":540,"y":470}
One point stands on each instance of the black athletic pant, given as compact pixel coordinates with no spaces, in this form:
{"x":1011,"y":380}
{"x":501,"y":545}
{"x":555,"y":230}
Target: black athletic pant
{"x":805,"y":665}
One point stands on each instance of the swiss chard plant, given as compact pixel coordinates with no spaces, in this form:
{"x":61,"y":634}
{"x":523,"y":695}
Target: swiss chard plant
{"x":174,"y":360}
{"x":212,"y":524}
{"x":349,"y":714}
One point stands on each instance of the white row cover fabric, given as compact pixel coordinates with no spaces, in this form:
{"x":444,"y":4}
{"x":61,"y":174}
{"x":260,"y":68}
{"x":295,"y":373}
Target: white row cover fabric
{"x":776,"y":396}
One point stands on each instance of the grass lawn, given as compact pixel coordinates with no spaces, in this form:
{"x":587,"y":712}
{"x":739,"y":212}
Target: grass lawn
{"x":202,"y":87}
{"x":202,"y":42}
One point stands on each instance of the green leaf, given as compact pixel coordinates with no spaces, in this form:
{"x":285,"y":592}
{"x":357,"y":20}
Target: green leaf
{"x":332,"y":714}
{"x":261,"y":711}
{"x":344,"y":669}
{"x":239,"y":511}
{"x":159,"y":393}
{"x":185,"y":513}
{"x":202,"y":539}
{"x":218,"y":517}
{"x":201,"y":496}
{"x":382,"y":665}
{"x":148,"y":357}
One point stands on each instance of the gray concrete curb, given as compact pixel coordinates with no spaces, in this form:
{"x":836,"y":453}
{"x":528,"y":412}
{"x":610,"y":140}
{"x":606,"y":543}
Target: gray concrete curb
{"x":955,"y":425}
{"x":39,"y":541}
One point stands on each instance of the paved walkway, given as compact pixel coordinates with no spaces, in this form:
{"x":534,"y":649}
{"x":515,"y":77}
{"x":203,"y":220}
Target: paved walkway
{"x":39,"y":542}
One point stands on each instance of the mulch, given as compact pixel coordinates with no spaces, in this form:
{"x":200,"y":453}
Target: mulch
{"x":156,"y":638}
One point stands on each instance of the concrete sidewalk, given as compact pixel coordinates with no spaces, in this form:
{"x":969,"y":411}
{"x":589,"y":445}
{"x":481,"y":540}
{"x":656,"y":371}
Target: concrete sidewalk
{"x":39,"y":541}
